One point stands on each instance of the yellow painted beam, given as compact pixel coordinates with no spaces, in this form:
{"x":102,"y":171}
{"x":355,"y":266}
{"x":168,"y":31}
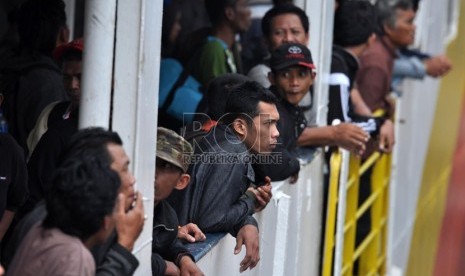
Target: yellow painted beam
{"x":433,"y":193}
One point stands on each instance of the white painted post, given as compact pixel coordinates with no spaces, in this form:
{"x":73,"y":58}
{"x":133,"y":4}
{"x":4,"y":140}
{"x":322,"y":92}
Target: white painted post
{"x":135,"y":101}
{"x":341,"y":213}
{"x":70,"y":9}
{"x":99,"y":35}
{"x":321,"y":15}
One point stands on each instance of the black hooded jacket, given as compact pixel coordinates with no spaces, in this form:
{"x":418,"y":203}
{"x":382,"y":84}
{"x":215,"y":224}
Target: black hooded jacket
{"x":29,"y":83}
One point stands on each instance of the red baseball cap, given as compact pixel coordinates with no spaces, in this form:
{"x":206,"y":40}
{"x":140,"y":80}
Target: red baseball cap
{"x":77,"y":44}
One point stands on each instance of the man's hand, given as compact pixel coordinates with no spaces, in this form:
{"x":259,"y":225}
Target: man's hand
{"x":386,"y":136}
{"x":350,"y":137}
{"x":293,"y":178}
{"x":191,"y":233}
{"x":129,"y":224}
{"x":189,"y":268}
{"x":248,"y":236}
{"x":263,"y":194}
{"x":437,"y":66}
{"x":171,"y":269}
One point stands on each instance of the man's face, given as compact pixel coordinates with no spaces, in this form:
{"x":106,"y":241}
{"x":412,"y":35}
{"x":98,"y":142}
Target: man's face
{"x":242,"y":16}
{"x":120,"y":164}
{"x":293,"y":83}
{"x":403,"y":33}
{"x":167,"y":177}
{"x":262,"y":135}
{"x":287,"y":28}
{"x":176,"y":29}
{"x":72,"y":79}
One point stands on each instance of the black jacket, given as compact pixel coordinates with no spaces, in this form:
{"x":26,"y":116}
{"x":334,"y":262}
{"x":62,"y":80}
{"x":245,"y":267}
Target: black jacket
{"x":37,"y":82}
{"x":165,"y":242}
{"x":13,"y":175}
{"x":344,"y":67}
{"x":291,"y":124}
{"x":45,"y":158}
{"x":113,"y":259}
{"x":221,"y":174}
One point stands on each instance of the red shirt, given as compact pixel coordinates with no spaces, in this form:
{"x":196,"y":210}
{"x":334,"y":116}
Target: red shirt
{"x":375,"y":74}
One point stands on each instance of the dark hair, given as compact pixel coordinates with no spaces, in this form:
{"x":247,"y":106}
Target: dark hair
{"x":415,"y":4}
{"x":70,"y":55}
{"x":39,"y":23}
{"x":93,"y":140}
{"x":283,"y":9}
{"x":170,"y":12}
{"x":282,"y":2}
{"x":243,"y":101}
{"x":386,"y":12}
{"x":83,"y":191}
{"x":354,"y":23}
{"x":218,"y":90}
{"x":215,"y":9}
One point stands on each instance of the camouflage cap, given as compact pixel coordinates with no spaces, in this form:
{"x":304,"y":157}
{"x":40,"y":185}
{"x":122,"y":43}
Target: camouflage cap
{"x":173,"y":148}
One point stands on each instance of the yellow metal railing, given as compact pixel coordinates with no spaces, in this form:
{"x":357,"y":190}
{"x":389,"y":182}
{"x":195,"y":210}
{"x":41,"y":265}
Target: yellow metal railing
{"x":369,"y":256}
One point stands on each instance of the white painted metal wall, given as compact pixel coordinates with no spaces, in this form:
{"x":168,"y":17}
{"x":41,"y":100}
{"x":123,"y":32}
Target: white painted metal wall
{"x":415,"y":115}
{"x":290,"y":228}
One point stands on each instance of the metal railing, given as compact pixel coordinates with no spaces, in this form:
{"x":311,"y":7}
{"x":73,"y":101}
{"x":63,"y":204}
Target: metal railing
{"x":343,"y":255}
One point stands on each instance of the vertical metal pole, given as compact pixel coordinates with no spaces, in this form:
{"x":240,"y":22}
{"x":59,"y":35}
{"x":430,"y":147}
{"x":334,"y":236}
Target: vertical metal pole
{"x":70,"y":10}
{"x":341,"y":213}
{"x":135,"y":101}
{"x":321,"y":15}
{"x":99,"y":36}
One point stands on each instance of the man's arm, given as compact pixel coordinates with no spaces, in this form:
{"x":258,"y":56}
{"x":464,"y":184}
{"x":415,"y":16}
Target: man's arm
{"x":129,"y":224}
{"x":263,"y":194}
{"x":338,"y":104}
{"x":386,"y":136}
{"x":17,"y":189}
{"x":410,"y":67}
{"x":373,"y":85}
{"x":162,"y":267}
{"x":219,"y":203}
{"x":345,"y":135}
{"x":191,"y":233}
{"x":5,"y":222}
{"x":248,"y":236}
{"x":118,"y":259}
{"x":437,"y":66}
{"x":173,"y":259}
{"x":358,"y":104}
{"x":286,"y":165}
{"x":188,"y":267}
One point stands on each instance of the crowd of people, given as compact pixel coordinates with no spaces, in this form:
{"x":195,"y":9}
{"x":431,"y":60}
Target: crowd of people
{"x":68,"y":201}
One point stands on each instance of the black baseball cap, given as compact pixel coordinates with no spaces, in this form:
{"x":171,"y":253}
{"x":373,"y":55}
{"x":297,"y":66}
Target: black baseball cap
{"x":291,"y":54}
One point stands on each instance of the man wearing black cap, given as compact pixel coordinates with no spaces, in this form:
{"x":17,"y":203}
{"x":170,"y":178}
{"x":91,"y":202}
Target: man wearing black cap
{"x":292,"y":74}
